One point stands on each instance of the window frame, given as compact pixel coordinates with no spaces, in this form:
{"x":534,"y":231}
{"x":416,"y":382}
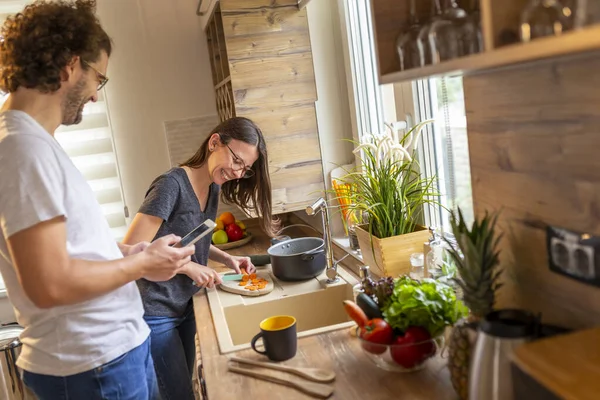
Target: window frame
{"x":357,"y":69}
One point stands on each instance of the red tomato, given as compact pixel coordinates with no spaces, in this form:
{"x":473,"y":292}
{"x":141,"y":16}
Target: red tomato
{"x":415,"y":348}
{"x":234,"y":232}
{"x":378,"y":332}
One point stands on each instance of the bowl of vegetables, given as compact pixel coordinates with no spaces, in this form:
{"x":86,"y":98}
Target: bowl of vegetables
{"x":401,"y":322}
{"x":408,"y":352}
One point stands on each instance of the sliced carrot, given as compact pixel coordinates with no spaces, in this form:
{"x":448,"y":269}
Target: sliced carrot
{"x":253,"y":276}
{"x":245,"y":278}
{"x":243,"y":283}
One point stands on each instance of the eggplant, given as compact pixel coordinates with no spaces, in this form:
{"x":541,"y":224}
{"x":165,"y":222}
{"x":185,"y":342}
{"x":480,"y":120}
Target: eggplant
{"x":368,"y":305}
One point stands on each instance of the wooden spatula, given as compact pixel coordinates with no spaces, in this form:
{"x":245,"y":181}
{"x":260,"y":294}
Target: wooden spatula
{"x":318,"y":390}
{"x":313,"y":374}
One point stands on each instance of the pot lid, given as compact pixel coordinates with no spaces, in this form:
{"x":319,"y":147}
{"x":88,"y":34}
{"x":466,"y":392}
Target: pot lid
{"x":9,"y":336}
{"x":295,"y":247}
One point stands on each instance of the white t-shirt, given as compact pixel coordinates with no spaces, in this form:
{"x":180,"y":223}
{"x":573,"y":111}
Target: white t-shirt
{"x":39,"y":182}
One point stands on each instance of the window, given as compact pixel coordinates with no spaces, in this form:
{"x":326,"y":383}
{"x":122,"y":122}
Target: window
{"x":443,"y":147}
{"x":367,"y":94}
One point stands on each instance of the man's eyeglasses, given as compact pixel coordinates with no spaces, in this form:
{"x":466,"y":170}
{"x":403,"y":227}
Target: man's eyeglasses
{"x":102,"y":79}
{"x":239,"y":164}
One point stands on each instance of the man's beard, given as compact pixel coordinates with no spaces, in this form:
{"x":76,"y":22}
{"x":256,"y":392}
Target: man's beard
{"x":74,"y":103}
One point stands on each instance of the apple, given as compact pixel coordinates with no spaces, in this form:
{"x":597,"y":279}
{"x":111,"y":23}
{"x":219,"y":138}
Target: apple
{"x":234,"y":232}
{"x":414,"y":347}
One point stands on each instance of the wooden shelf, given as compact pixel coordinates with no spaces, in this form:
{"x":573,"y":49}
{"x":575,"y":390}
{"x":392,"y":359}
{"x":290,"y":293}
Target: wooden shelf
{"x":568,"y":44}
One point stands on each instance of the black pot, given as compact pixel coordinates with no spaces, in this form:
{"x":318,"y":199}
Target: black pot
{"x":298,"y":259}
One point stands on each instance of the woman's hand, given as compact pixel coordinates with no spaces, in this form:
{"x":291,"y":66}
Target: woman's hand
{"x":201,"y":275}
{"x":237,"y":263}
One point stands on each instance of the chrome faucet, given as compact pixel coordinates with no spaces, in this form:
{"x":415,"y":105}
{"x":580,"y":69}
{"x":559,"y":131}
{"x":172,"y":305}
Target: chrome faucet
{"x":331,"y":265}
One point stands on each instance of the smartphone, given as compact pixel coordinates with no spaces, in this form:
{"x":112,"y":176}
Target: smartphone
{"x":198,"y":233}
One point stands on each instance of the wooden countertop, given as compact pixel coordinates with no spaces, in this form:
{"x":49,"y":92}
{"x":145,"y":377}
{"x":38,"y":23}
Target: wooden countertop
{"x":567,"y":365}
{"x":357,"y":377}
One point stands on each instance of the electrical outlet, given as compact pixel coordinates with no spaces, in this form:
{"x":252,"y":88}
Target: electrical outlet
{"x":574,"y":254}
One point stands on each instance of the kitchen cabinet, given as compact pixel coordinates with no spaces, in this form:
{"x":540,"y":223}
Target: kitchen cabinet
{"x":499,"y":20}
{"x":262,"y":69}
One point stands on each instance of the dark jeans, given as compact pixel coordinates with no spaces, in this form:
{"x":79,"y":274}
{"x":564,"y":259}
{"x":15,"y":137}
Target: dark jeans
{"x":130,"y":376}
{"x":174,"y":352}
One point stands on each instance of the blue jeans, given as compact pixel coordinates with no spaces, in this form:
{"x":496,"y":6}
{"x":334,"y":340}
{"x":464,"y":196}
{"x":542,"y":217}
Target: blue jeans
{"x":174,"y":351}
{"x":130,"y":376}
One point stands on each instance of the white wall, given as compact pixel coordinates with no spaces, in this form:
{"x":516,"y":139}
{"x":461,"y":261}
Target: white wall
{"x":333,"y":105}
{"x":159,"y":71}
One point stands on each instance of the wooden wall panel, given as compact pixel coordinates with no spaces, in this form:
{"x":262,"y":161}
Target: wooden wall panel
{"x":292,"y":150}
{"x":257,"y":99}
{"x":273,"y":21}
{"x":268,"y":44}
{"x":268,"y":71}
{"x":273,"y":83}
{"x":534,"y":142}
{"x":284,"y":121}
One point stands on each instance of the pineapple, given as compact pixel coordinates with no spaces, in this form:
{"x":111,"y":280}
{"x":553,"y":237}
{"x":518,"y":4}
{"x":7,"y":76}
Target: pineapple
{"x":478,"y":280}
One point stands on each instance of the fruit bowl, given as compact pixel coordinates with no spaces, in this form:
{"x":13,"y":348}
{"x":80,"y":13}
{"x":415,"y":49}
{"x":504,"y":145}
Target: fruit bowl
{"x":229,"y":233}
{"x":232,"y":245}
{"x":408,"y":357}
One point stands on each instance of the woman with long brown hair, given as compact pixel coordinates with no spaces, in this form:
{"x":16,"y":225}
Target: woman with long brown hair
{"x":232,"y":161}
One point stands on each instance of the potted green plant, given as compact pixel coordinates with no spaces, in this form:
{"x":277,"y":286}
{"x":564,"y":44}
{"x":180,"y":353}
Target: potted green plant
{"x":389,"y":191}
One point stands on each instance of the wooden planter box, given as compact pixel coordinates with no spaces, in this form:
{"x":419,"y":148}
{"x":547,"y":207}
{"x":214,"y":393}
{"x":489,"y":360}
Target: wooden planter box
{"x":391,"y":256}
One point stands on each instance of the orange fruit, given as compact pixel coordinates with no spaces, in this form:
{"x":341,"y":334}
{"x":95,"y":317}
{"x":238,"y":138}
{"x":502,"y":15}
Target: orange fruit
{"x":227,"y":218}
{"x":220,"y":225}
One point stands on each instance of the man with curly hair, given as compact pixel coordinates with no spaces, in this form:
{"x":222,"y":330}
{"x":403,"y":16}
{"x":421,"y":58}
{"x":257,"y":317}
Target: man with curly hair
{"x":72,"y":286}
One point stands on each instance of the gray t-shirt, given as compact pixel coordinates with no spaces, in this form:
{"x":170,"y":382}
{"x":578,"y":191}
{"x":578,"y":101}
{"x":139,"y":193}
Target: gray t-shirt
{"x":172,"y":198}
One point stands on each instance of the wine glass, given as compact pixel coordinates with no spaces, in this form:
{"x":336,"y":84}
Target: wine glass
{"x":449,"y":36}
{"x":423,"y":39}
{"x":406,"y":44}
{"x":474,"y":39}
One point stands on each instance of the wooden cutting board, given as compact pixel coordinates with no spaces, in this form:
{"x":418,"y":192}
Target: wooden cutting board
{"x":234,"y":286}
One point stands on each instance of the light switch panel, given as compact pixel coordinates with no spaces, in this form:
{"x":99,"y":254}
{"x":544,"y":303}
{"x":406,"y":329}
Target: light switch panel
{"x":574,"y":254}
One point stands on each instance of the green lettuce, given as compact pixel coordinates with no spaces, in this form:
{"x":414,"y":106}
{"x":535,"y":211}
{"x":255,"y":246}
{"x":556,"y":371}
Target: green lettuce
{"x":427,"y":303}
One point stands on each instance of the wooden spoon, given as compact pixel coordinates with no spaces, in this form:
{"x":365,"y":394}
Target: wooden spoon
{"x":318,"y":390}
{"x":313,"y":374}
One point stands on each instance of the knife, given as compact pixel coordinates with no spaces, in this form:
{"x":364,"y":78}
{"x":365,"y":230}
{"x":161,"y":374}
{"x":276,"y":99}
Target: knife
{"x":232,"y":277}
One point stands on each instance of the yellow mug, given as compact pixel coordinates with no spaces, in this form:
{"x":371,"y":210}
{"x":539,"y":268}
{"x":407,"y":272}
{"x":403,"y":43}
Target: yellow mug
{"x":279,"y":337}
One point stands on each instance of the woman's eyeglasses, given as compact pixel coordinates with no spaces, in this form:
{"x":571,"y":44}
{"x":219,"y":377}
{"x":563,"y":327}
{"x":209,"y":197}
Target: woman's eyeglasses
{"x":239,"y":164}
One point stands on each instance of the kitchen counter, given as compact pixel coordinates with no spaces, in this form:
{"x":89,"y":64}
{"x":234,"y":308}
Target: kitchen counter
{"x":356,"y":376}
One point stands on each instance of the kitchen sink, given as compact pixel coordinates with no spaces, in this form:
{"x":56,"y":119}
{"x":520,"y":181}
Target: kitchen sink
{"x":316,"y":305}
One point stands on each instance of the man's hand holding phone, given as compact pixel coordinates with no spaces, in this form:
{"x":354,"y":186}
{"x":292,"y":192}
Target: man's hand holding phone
{"x":163,"y":261}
